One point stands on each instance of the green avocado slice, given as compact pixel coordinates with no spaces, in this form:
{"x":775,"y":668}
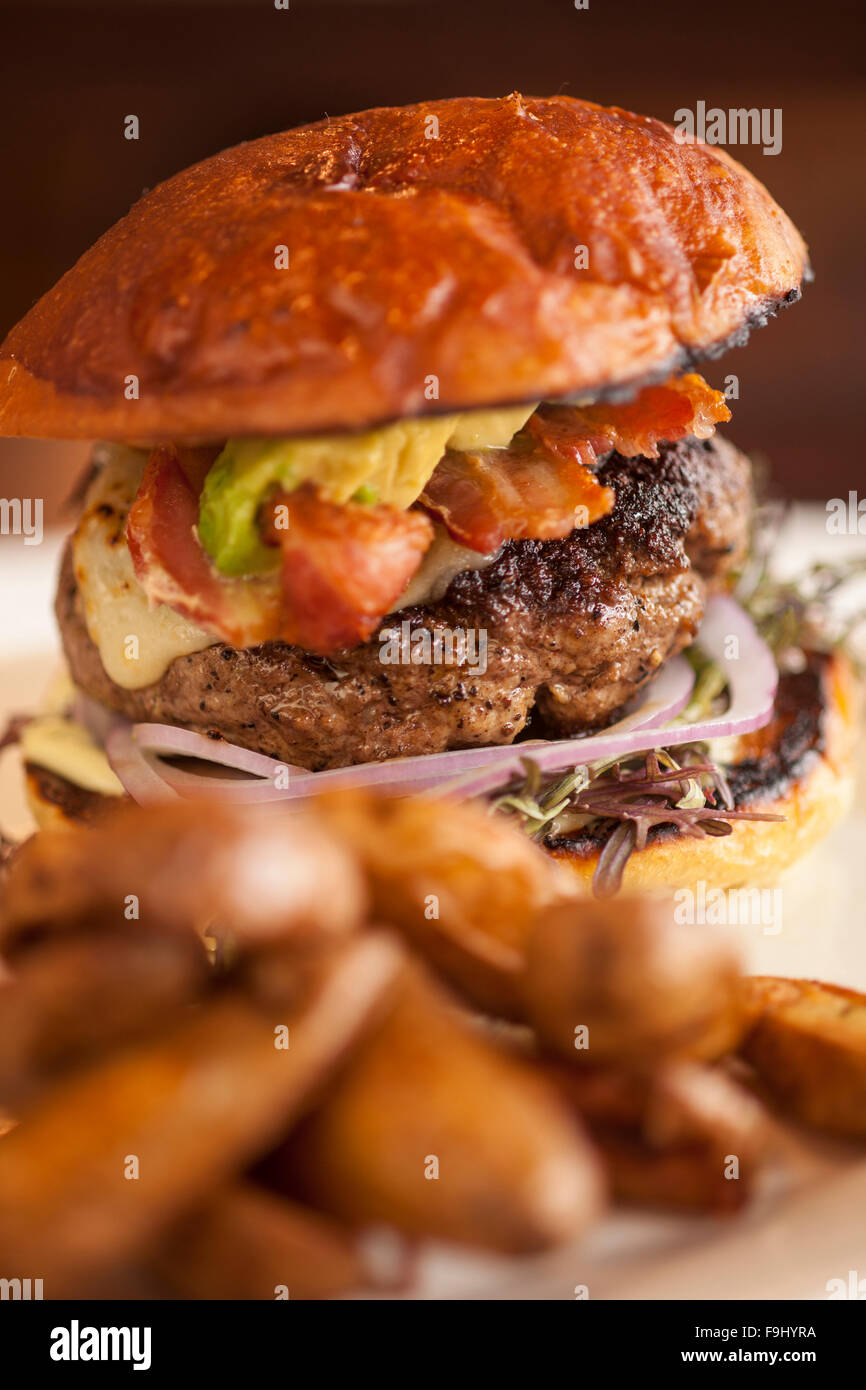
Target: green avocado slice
{"x":391,"y":464}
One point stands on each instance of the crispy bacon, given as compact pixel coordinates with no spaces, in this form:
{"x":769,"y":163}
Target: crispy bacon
{"x":684,"y":405}
{"x":344,"y":566}
{"x":489,"y":496}
{"x":171,"y":564}
{"x":542,"y":486}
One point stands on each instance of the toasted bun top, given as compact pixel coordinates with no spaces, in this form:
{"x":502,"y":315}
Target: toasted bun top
{"x":446,"y":255}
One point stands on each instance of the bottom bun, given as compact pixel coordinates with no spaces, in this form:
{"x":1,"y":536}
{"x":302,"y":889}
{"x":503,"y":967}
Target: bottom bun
{"x":800,"y":766}
{"x":54,"y":801}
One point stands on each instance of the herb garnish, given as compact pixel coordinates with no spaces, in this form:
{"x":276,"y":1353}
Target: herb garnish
{"x":623,"y":799}
{"x":798,"y":615}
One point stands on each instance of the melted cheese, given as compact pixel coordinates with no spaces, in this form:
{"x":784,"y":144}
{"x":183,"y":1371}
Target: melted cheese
{"x":444,"y":560}
{"x":137,"y":642}
{"x":487,"y":429}
{"x":66,"y":748}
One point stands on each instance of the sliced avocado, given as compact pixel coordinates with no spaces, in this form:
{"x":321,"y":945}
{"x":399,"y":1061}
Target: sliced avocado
{"x":390,"y":465}
{"x":233,"y":491}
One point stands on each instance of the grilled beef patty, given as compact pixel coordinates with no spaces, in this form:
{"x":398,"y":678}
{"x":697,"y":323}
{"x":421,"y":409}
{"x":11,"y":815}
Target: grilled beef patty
{"x":573,"y":629}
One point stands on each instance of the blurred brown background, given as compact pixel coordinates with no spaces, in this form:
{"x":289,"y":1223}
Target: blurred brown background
{"x":201,"y":76}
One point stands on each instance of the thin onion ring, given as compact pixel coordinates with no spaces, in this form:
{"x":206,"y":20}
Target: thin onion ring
{"x":272,"y":780}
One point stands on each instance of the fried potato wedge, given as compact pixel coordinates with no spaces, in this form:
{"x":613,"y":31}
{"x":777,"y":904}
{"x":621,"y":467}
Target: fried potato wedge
{"x":701,"y":1104}
{"x":117,"y":1151}
{"x":77,"y":996}
{"x":434,"y":1130}
{"x":681,"y":1102}
{"x":807,"y":1043}
{"x":685,"y":1137}
{"x":619,"y":981}
{"x":179,"y":867}
{"x":248,"y":1243}
{"x":679,"y":1178}
{"x":463,"y":886}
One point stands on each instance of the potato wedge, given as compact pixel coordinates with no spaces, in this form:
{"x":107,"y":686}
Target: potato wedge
{"x":681,"y":1102}
{"x":247,"y":1243}
{"x":113,"y":1154}
{"x":620,"y":981}
{"x":690,"y":1104}
{"x":463,"y":886}
{"x":668,"y":1138}
{"x":77,"y":996}
{"x":604,"y":1096}
{"x":679,"y":1178}
{"x":434,"y":1130}
{"x":807,"y":1043}
{"x":186,"y":866}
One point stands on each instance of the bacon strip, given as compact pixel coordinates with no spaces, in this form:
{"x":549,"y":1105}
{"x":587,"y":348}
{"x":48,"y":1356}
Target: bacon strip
{"x":684,"y":405}
{"x":344,"y":566}
{"x":171,"y":564}
{"x":494,"y":495}
{"x":543,"y":486}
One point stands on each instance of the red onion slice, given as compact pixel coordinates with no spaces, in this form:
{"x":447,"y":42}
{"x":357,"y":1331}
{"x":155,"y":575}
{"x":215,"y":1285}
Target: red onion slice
{"x":729,"y":637}
{"x":272,"y":780}
{"x":165,"y":740}
{"x":94,"y":717}
{"x":144,"y":783}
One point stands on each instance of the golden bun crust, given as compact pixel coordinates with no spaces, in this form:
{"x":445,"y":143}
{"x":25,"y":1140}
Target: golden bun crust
{"x":429,"y":247}
{"x":54,"y":802}
{"x":756,"y":852}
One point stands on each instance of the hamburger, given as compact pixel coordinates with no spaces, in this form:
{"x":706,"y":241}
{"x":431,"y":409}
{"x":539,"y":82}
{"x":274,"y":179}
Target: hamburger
{"x":408,"y":476}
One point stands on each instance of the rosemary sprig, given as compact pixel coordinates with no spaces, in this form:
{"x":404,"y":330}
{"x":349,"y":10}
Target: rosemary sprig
{"x":801,"y":614}
{"x":539,"y":808}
